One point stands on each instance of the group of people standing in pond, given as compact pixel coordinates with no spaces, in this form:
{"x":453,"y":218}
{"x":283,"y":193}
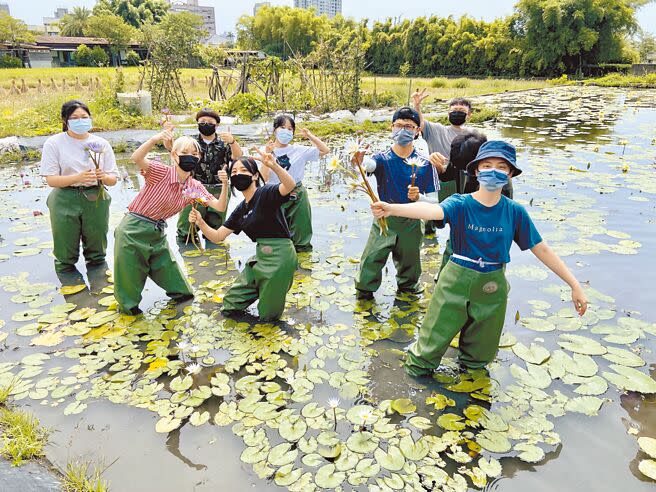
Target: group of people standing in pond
{"x":464,"y":181}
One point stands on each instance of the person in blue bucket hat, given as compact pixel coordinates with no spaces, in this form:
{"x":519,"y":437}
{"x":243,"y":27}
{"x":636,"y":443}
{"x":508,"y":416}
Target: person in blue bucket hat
{"x":471,"y":294}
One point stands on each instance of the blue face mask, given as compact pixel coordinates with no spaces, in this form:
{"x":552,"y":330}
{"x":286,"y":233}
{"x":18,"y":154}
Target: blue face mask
{"x":403,"y":137}
{"x":79,"y":126}
{"x":492,"y":179}
{"x":284,"y":136}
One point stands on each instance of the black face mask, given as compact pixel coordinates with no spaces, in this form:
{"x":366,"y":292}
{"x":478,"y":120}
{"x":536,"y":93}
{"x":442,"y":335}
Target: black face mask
{"x":207,"y":129}
{"x":188,"y":162}
{"x":241,"y":181}
{"x":457,"y":118}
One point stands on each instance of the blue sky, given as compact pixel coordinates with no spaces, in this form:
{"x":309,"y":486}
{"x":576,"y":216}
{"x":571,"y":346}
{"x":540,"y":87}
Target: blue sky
{"x":228,"y":11}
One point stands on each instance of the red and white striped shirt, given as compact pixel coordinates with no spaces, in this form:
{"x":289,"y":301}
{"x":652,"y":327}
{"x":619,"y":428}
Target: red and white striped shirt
{"x":163,"y":196}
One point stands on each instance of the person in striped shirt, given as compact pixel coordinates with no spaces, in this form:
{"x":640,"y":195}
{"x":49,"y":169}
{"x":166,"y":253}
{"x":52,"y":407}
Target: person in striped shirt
{"x":141,"y":249}
{"x":268,"y":275}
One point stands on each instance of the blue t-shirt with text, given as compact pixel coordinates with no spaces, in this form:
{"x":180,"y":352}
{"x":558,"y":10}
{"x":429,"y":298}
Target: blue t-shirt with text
{"x":487,"y":233}
{"x":394,"y":175}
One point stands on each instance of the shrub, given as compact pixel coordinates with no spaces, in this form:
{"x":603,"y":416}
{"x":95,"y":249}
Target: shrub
{"x":132,"y":58}
{"x":99,"y":57}
{"x":383,"y":99}
{"x":8,"y":61}
{"x":461,"y":83}
{"x":438,"y":82}
{"x":246,"y":106}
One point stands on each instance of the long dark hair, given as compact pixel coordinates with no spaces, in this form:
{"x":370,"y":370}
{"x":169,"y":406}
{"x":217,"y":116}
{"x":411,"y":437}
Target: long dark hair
{"x":251,"y":166}
{"x":282,"y":119}
{"x":68,"y":108}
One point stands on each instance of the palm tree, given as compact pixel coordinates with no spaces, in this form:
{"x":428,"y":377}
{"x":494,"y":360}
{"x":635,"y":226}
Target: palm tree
{"x":75,"y":23}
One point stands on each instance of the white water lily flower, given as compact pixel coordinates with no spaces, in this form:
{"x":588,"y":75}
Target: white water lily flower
{"x":333,"y":164}
{"x":415,"y":161}
{"x":195,"y":348}
{"x":194,"y":368}
{"x":183,"y":346}
{"x":352,"y":147}
{"x":334,"y":402}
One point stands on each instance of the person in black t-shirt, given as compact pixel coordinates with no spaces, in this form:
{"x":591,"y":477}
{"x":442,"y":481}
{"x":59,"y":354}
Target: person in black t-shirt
{"x":218,"y":149}
{"x":268,"y":275}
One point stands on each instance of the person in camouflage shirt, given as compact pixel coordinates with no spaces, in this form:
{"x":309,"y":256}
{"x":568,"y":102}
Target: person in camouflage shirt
{"x":218,"y":150}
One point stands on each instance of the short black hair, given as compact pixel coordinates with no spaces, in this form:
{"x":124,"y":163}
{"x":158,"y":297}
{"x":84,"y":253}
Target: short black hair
{"x":407,"y":113}
{"x":464,"y":148}
{"x":68,"y":108}
{"x":460,"y":101}
{"x":280,"y":121}
{"x":209,"y":113}
{"x":251,"y":166}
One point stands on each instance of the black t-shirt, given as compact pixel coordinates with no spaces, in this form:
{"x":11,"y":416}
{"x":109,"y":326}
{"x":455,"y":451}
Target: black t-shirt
{"x":262,"y":217}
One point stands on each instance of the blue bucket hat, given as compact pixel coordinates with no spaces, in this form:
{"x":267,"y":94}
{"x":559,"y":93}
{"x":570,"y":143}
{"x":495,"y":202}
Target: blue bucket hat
{"x":495,"y":148}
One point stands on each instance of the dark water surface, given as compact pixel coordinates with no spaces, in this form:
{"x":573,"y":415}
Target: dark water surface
{"x":589,"y":157}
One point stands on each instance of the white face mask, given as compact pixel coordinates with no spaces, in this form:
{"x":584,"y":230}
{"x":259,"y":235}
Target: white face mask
{"x":284,"y":136}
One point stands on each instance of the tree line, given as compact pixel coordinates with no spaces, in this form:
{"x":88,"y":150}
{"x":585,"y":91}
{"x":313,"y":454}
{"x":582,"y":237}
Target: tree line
{"x":540,"y":38}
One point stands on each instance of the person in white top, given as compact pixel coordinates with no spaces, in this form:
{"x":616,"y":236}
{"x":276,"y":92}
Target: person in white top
{"x":293,"y":159}
{"x":78,"y":166}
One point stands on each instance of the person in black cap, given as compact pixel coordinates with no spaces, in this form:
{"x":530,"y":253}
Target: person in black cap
{"x":218,"y":150}
{"x":402,"y":176}
{"x":471,"y":294}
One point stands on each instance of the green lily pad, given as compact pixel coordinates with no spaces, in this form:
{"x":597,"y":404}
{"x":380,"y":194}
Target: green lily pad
{"x":495,"y":442}
{"x":529,"y":452}
{"x":587,"y":405}
{"x":292,"y":430}
{"x":403,"y":406}
{"x":282,"y":454}
{"x":630,"y":379}
{"x":581,"y":345}
{"x":491,"y":467}
{"x":535,"y":354}
{"x":167,"y":424}
{"x":181,"y":384}
{"x":648,"y":445}
{"x":327,"y":477}
{"x":648,"y":468}
{"x":362,"y":442}
{"x":623,"y":357}
{"x":392,"y":460}
{"x":451,"y":421}
{"x":414,"y":451}
{"x":581,"y":365}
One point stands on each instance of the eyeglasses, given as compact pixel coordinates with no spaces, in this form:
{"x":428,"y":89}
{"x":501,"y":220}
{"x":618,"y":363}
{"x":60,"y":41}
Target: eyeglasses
{"x":410,"y":128}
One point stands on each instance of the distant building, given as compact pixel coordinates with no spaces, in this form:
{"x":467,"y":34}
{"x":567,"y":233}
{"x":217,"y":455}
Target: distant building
{"x":4,"y":7}
{"x":331,"y":8}
{"x":51,"y":24}
{"x":206,"y":13}
{"x":259,"y":5}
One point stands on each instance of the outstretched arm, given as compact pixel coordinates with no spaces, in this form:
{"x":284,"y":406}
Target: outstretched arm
{"x":418,"y":210}
{"x":552,"y":261}
{"x":214,"y":235}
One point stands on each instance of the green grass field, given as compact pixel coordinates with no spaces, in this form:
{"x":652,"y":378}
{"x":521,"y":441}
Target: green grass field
{"x":32,"y":97}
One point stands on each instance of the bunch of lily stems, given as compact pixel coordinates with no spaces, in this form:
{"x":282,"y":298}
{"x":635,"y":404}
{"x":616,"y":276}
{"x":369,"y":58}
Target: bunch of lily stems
{"x":355,"y":150}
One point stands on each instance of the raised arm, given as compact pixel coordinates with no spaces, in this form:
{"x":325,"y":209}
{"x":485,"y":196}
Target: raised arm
{"x":316,"y":141}
{"x":551,"y":260}
{"x":417,"y":99}
{"x":287,"y":183}
{"x":417,"y":210}
{"x":139,"y":155}
{"x":229,"y":139}
{"x":221,"y":204}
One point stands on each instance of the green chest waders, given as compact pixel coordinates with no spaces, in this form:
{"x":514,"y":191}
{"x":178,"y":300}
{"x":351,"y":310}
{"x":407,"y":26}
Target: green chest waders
{"x":78,"y":214}
{"x":267,"y":276}
{"x":403,"y":241}
{"x":212,"y":217}
{"x":465,"y":301}
{"x":298,"y":214}
{"x":141,"y":251}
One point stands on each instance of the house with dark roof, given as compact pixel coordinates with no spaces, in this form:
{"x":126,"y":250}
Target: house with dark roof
{"x":62,"y":48}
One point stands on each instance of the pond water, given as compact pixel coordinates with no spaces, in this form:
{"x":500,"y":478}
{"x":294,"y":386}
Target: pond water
{"x":115,"y":390}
